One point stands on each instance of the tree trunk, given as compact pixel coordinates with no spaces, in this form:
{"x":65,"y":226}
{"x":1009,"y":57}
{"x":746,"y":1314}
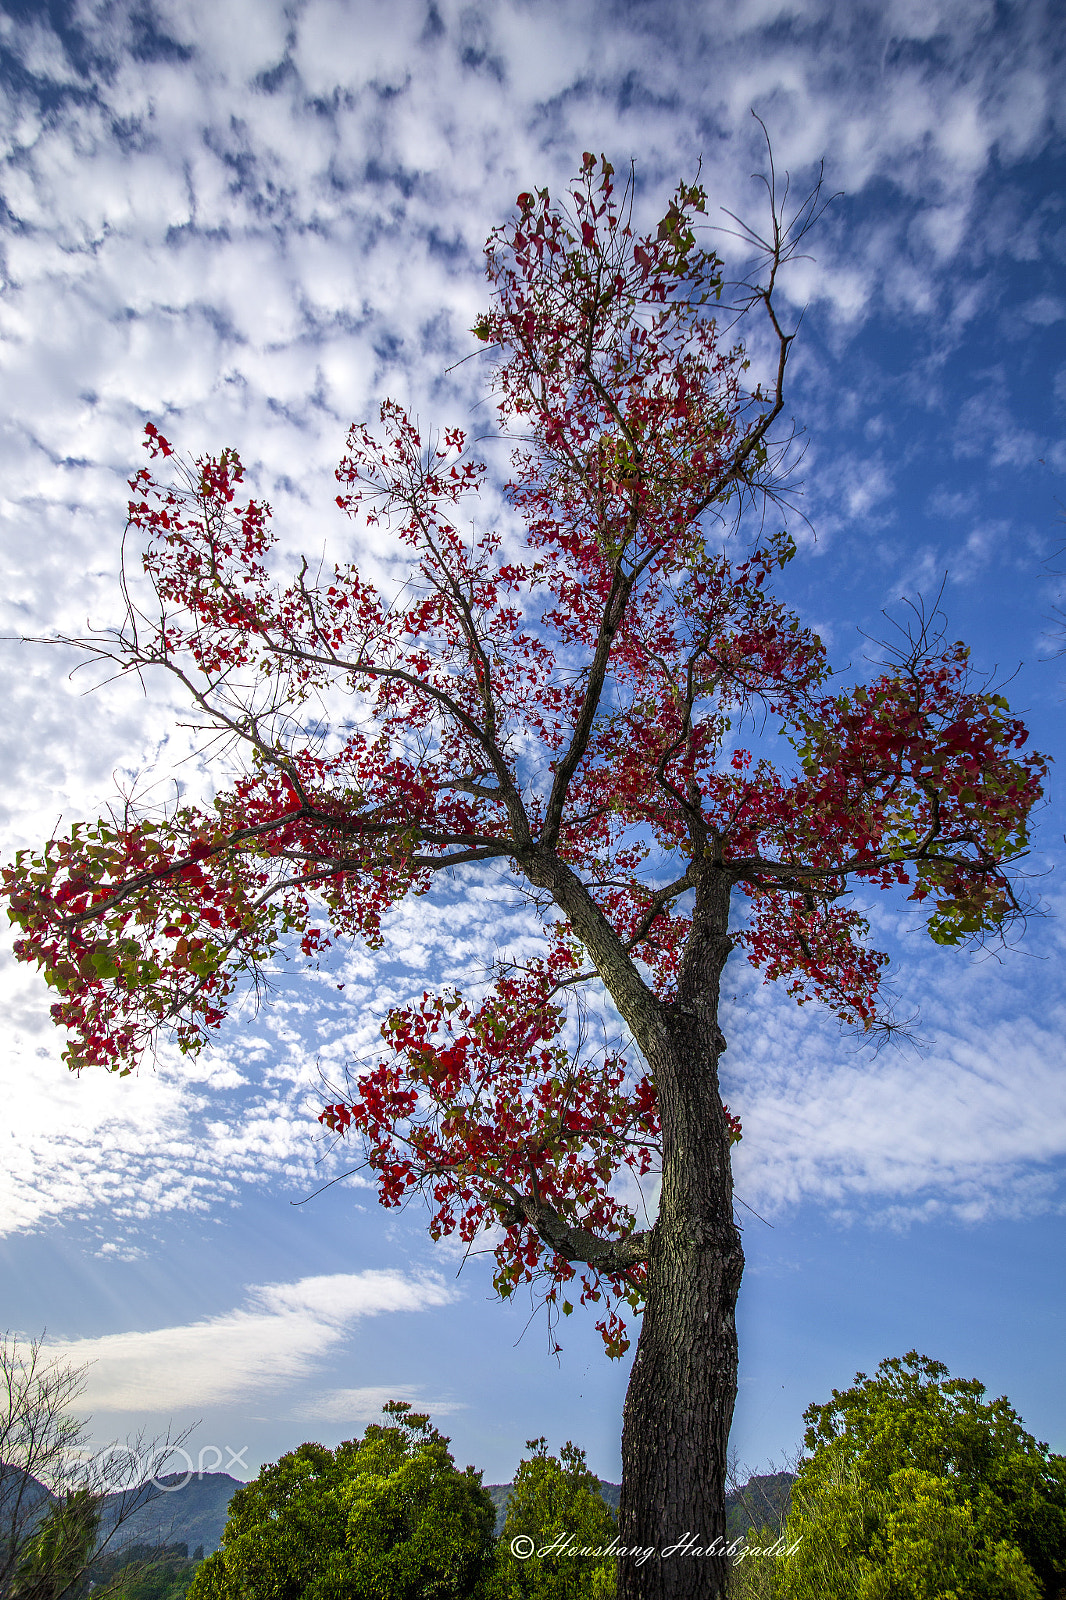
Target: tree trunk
{"x":679,"y":1405}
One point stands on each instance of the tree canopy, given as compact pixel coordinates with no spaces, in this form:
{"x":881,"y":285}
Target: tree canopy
{"x":556,"y":1507}
{"x":917,"y":1488}
{"x":388,"y":1516}
{"x":143,"y":1572}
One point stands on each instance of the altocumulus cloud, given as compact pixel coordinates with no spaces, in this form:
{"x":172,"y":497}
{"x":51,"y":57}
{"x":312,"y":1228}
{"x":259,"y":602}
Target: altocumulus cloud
{"x":273,"y":1340}
{"x":181,"y":1136}
{"x":186,"y":1136}
{"x":969,"y":1122}
{"x":250,"y":222}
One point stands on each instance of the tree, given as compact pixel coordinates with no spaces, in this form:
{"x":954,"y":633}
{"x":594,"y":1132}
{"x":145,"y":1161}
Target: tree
{"x":58,"y":1552}
{"x":53,"y":1489}
{"x":39,"y":1439}
{"x":388,"y":1516}
{"x":555,"y":1506}
{"x":917,"y":1488}
{"x":572,"y":711}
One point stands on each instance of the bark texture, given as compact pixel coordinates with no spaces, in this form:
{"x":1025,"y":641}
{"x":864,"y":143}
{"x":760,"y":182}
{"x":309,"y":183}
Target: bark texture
{"x":679,"y":1405}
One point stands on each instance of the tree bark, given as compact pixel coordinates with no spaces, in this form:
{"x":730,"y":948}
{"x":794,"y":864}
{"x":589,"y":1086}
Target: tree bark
{"x":679,"y":1405}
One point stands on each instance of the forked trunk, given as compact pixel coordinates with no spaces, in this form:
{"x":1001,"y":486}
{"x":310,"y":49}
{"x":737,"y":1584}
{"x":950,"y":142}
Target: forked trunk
{"x":679,"y":1405}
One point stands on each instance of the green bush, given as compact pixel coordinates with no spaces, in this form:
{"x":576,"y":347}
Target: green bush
{"x":555,"y":1506}
{"x":388,"y":1517}
{"x":53,"y":1559}
{"x":917,"y":1488}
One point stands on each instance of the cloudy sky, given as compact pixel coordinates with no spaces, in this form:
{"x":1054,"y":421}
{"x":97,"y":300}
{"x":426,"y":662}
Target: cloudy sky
{"x":249,"y":222}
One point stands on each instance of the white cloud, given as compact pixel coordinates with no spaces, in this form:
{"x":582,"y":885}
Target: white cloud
{"x":986,"y":426}
{"x":271,"y":1343}
{"x":364,"y":1405}
{"x":971,"y":1124}
{"x":1044,"y":310}
{"x":117,"y":1153}
{"x":184,"y":1135}
{"x":382,"y":51}
{"x":239,"y":39}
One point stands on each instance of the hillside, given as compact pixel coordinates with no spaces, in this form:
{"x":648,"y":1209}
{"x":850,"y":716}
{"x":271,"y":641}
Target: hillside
{"x":21,"y":1496}
{"x":191,"y":1512}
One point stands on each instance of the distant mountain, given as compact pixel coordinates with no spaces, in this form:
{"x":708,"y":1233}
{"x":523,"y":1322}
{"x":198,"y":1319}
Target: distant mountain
{"x":182,"y":1510}
{"x":174,"y":1510}
{"x":761,"y":1502}
{"x":23,"y":1502}
{"x":21,"y":1494}
{"x":610,"y":1493}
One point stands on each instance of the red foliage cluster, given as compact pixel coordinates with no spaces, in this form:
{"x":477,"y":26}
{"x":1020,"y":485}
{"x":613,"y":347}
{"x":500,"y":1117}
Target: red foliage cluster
{"x":480,"y":1105}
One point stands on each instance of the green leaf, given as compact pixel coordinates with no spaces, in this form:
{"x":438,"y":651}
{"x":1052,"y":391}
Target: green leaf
{"x":105,"y":964}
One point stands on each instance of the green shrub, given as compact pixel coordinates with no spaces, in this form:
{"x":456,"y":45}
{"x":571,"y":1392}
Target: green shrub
{"x":388,"y":1517}
{"x":557,"y":1507}
{"x":917,"y":1488}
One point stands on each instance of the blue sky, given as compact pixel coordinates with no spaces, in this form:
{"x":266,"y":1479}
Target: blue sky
{"x":249,"y":222}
